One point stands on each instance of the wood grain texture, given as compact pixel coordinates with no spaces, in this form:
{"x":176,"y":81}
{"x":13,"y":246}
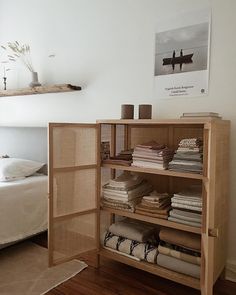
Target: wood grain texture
{"x":114,"y":278}
{"x":215,"y":133}
{"x":40,"y":90}
{"x":74,"y":181}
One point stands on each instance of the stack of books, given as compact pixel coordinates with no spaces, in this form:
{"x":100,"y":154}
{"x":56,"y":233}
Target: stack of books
{"x":200,"y":115}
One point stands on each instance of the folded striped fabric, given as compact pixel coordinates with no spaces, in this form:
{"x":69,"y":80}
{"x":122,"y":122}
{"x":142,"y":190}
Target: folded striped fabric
{"x":143,"y":251}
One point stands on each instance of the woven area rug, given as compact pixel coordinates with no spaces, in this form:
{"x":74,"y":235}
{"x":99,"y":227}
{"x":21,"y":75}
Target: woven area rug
{"x":24,"y":270}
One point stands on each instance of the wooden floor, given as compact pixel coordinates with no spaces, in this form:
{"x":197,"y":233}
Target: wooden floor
{"x":114,"y":278}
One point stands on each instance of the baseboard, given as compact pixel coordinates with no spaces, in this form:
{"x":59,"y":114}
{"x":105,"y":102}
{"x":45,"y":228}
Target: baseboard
{"x":230,"y":273}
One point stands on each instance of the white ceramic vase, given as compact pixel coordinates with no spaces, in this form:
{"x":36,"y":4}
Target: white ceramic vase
{"x":35,"y":81}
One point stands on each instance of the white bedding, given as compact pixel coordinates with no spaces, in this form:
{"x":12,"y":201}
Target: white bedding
{"x":23,"y":208}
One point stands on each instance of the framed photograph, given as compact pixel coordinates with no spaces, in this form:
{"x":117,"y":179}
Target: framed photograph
{"x":182,"y":60}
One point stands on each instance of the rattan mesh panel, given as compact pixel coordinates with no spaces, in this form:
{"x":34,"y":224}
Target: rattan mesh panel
{"x":120,"y":131}
{"x":181,"y":132}
{"x":74,"y":146}
{"x":143,"y":135}
{"x":74,"y":191}
{"x":74,"y":236}
{"x":105,"y":132}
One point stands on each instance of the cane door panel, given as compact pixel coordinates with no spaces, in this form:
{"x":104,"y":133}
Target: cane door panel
{"x":73,"y":187}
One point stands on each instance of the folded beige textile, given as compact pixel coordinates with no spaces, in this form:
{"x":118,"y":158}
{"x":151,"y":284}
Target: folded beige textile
{"x":152,"y":144}
{"x":188,"y":156}
{"x":187,"y":164}
{"x":155,"y":204}
{"x":186,"y":198}
{"x":118,"y":206}
{"x":187,"y":202}
{"x":143,"y":251}
{"x":155,"y":161}
{"x":190,"y":149}
{"x":178,"y":265}
{"x":142,"y":189}
{"x":184,"y":206}
{"x":194,"y":142}
{"x":184,"y":239}
{"x":162,"y":210}
{"x":122,"y":200}
{"x":154,"y":196}
{"x":196,"y":219}
{"x":125,"y":180}
{"x":112,"y":197}
{"x":111,"y":188}
{"x":151,"y":156}
{"x":187,"y":214}
{"x":133,"y":230}
{"x":154,"y":215}
{"x":145,"y":164}
{"x":179,"y":255}
{"x":179,"y":220}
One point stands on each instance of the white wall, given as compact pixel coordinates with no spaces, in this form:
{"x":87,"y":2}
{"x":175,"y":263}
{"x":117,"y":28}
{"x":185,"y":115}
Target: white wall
{"x":107,"y":47}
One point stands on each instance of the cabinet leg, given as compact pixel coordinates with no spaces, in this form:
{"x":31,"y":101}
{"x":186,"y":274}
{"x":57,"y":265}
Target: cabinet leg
{"x":207,"y":290}
{"x":97,"y":261}
{"x":222,"y":275}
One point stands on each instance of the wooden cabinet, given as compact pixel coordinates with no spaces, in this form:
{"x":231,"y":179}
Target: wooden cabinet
{"x":76,"y":174}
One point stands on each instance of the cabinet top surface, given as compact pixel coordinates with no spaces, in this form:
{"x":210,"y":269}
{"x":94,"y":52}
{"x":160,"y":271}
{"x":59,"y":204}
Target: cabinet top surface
{"x":200,"y":121}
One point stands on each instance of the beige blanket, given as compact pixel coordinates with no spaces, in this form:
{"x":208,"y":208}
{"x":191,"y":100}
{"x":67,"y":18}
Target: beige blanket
{"x":184,"y":239}
{"x":178,"y":265}
{"x":134,"y":230}
{"x":179,"y":255}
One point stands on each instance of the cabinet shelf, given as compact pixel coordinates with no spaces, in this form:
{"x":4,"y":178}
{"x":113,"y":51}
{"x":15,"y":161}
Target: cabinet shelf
{"x":154,"y":220}
{"x":40,"y":90}
{"x":155,"y":171}
{"x":154,"y":269}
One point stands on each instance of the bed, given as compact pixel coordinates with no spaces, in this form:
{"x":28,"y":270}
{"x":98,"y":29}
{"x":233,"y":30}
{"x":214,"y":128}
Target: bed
{"x":23,"y":202}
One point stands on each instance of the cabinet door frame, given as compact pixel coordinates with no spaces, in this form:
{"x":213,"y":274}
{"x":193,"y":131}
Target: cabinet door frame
{"x":51,"y":218}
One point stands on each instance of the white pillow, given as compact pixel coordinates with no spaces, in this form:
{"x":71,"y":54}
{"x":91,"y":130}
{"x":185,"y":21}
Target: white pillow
{"x":13,"y":168}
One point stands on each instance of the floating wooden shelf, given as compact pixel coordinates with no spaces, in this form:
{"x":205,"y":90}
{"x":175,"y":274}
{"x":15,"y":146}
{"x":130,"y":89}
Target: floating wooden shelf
{"x":40,"y":90}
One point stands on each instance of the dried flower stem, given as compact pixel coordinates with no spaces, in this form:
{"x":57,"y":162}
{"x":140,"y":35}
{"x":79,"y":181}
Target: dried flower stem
{"x":21,"y":52}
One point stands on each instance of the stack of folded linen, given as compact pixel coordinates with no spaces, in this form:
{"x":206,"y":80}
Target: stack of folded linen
{"x":137,"y":240}
{"x":152,"y":155}
{"x":188,"y":157}
{"x":124,"y":192}
{"x":155,"y":205}
{"x":187,"y":207}
{"x":124,"y":158}
{"x":180,"y":251}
